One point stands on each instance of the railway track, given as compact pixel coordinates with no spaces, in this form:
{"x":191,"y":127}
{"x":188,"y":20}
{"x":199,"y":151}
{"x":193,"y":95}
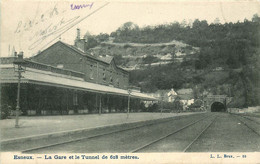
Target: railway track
{"x":247,"y":124}
{"x":229,"y":133}
{"x":109,"y":133}
{"x":201,"y":133}
{"x":195,"y":139}
{"x":175,"y":132}
{"x":249,"y":118}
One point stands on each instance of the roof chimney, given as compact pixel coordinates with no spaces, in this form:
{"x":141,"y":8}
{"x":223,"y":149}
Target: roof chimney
{"x":20,"y":55}
{"x":19,"y":59}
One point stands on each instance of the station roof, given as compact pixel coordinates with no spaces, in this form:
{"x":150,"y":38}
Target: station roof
{"x":35,"y":76}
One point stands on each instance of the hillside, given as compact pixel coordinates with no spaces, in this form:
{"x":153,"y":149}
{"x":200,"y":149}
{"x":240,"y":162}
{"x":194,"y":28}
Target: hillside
{"x":133,"y":56}
{"x":209,"y":58}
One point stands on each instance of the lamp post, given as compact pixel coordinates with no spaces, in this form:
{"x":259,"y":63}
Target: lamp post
{"x":19,"y":61}
{"x":128,"y":107}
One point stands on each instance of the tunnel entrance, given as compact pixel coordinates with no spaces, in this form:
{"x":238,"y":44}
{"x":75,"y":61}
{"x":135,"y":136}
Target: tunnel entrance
{"x":218,"y":107}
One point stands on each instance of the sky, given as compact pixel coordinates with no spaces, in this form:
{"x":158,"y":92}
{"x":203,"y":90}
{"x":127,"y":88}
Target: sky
{"x":32,"y":26}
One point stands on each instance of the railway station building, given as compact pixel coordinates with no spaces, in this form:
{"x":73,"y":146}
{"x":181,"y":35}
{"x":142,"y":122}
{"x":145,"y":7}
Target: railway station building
{"x":64,"y":79}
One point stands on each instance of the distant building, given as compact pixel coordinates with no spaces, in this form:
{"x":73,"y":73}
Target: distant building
{"x":172,"y":95}
{"x":186,"y":97}
{"x":185,"y":94}
{"x":161,"y":95}
{"x":186,"y":103}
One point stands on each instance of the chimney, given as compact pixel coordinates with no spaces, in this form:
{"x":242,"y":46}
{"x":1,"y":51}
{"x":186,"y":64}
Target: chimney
{"x":78,"y":33}
{"x":19,"y":60}
{"x":20,"y":55}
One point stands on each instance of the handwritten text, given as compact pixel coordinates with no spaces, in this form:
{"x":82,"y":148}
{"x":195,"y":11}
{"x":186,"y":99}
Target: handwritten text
{"x":77,"y":7}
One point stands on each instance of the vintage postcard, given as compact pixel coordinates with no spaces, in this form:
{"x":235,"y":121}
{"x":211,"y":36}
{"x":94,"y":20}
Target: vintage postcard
{"x":130,"y":81}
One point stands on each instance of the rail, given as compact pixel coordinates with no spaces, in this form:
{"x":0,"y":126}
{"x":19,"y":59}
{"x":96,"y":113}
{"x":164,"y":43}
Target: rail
{"x":98,"y":135}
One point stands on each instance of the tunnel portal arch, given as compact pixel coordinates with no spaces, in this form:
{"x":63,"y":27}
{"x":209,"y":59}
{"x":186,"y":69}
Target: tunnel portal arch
{"x":215,"y":103}
{"x":217,"y":107}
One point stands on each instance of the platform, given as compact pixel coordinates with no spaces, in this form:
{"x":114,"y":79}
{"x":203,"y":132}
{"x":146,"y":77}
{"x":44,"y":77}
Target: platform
{"x":44,"y":126}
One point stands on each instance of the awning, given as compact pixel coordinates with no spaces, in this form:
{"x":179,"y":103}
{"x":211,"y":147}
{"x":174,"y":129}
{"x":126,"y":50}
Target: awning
{"x":35,"y":76}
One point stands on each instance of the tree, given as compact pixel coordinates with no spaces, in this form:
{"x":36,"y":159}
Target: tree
{"x":232,"y":46}
{"x":128,"y":26}
{"x":177,"y":104}
{"x":256,"y":18}
{"x":183,"y":23}
{"x":199,"y":25}
{"x":217,"y":21}
{"x":102,"y":37}
{"x":92,"y":42}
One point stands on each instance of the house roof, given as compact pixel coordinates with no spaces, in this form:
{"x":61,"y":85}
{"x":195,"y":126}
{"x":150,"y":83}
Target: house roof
{"x":184,"y":91}
{"x":83,"y":53}
{"x":185,"y":94}
{"x":185,"y":97}
{"x":106,"y":59}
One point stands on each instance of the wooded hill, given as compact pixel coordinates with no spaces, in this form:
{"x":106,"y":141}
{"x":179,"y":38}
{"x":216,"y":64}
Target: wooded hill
{"x":225,"y":57}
